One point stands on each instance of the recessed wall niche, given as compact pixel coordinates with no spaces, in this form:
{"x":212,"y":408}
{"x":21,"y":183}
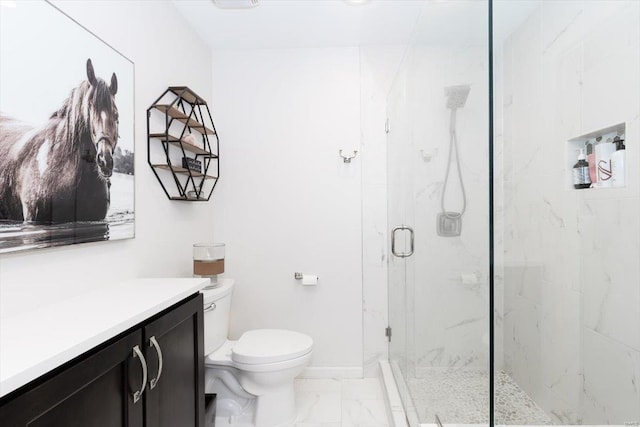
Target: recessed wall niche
{"x":599,"y":146}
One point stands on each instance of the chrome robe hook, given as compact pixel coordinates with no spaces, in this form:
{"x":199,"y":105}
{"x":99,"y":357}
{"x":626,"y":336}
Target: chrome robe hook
{"x":346,"y":158}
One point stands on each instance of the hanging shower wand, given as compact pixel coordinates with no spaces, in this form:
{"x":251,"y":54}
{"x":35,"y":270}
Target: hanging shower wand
{"x":450,"y":222}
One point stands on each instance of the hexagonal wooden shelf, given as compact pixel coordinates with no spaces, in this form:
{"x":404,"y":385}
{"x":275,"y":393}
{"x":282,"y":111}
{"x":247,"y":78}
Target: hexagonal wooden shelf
{"x":185,"y":132}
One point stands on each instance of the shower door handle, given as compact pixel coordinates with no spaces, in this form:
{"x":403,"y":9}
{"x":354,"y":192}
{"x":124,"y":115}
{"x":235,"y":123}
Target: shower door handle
{"x":393,"y":241}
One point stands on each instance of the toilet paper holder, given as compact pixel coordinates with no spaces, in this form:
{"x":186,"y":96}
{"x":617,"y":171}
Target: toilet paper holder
{"x":298,"y":276}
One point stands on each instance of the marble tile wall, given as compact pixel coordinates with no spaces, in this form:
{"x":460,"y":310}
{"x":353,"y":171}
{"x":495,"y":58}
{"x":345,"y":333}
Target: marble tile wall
{"x":571,"y":273}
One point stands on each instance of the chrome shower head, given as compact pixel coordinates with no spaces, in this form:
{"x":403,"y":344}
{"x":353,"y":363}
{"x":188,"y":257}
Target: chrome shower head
{"x":456,"y":96}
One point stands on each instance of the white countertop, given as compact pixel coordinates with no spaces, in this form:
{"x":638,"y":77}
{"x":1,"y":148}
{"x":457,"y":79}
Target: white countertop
{"x":35,"y":342}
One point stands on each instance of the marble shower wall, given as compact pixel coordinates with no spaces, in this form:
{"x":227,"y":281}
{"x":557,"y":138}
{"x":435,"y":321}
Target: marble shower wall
{"x":571,"y":270}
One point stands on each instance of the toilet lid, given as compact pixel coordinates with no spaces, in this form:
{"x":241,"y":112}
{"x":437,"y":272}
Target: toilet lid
{"x":270,"y":345}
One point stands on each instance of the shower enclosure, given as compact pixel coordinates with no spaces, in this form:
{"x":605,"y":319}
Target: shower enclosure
{"x":514,"y":298}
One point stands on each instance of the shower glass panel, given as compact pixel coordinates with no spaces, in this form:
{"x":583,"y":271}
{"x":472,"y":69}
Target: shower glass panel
{"x":438,"y":205}
{"x":399,"y":212}
{"x":567,"y":260}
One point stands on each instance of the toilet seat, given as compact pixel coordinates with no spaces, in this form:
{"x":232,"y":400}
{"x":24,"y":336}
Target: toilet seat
{"x":222,"y":356}
{"x":263,"y":350}
{"x":261,"y":346}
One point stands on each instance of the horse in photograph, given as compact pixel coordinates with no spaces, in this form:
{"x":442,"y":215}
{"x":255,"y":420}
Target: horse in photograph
{"x":59,"y":172}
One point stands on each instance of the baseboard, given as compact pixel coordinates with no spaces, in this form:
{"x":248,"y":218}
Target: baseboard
{"x":332,"y":372}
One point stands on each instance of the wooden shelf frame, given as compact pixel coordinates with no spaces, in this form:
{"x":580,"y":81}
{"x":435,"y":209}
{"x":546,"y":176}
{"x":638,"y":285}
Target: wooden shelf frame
{"x":183,"y":171}
{"x":187,"y":199}
{"x":181,"y":105}
{"x":186,"y":119}
{"x":174,"y":140}
{"x":188,"y":95}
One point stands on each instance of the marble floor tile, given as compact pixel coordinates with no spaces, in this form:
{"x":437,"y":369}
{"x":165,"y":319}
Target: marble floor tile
{"x":340,"y":403}
{"x":317,"y":425}
{"x":364,"y":413}
{"x":318,"y":406}
{"x":361,"y":389}
{"x":318,"y":384}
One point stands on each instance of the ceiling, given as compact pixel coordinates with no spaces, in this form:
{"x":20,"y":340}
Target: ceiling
{"x":302,"y":23}
{"x":335,"y":23}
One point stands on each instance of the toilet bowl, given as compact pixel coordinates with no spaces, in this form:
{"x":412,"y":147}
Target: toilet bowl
{"x":253,"y":376}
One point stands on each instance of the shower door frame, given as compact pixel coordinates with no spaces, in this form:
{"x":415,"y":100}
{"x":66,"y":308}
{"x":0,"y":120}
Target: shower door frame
{"x":491,"y":220}
{"x":398,"y":332}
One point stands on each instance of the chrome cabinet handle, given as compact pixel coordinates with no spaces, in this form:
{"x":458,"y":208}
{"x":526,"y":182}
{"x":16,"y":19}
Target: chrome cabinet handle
{"x":137,"y":353}
{"x":393,"y":241}
{"x":211,"y":307}
{"x":154,"y":381}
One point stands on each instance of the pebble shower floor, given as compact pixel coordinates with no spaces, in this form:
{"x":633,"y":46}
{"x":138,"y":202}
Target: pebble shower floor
{"x":461,"y":396}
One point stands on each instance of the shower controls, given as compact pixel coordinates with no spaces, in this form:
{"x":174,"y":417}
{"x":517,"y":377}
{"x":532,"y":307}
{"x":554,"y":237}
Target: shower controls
{"x":449,"y":224}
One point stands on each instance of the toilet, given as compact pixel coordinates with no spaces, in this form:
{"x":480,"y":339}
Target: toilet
{"x":253,"y":376}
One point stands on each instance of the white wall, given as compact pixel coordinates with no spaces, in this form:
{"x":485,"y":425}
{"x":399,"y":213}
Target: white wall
{"x":154,"y":36}
{"x":286,"y":201}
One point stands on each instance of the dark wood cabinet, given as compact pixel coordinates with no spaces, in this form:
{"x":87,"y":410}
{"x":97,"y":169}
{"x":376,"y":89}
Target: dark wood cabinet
{"x":97,"y":389}
{"x":177,"y":399}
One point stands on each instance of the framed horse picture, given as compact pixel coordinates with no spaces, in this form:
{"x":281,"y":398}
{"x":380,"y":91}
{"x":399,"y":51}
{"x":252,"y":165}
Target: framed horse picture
{"x":66,"y":132}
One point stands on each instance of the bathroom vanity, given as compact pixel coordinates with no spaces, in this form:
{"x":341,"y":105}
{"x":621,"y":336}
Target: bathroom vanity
{"x":127,"y":355}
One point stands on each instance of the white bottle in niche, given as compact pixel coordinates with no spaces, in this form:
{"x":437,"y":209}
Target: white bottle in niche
{"x":604,"y":150}
{"x":617,"y":163}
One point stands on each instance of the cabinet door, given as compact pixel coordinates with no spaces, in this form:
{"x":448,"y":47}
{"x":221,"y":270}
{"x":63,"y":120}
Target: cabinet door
{"x":97,"y":391}
{"x":177,"y":398}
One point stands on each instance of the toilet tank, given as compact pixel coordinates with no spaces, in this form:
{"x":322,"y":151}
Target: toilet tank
{"x":217,"y":305}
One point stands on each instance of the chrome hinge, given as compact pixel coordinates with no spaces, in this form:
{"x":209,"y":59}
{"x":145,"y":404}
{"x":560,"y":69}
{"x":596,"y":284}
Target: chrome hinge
{"x":387,"y":333}
{"x":387,"y":128}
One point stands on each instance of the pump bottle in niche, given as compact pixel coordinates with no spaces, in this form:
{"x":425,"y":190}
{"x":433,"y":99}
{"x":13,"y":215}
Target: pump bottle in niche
{"x":581,"y":177}
{"x":604,"y":150}
{"x":617,"y":163}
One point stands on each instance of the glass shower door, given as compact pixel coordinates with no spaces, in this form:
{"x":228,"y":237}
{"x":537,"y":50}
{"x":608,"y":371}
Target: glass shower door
{"x":438,"y":204}
{"x":402,"y":242}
